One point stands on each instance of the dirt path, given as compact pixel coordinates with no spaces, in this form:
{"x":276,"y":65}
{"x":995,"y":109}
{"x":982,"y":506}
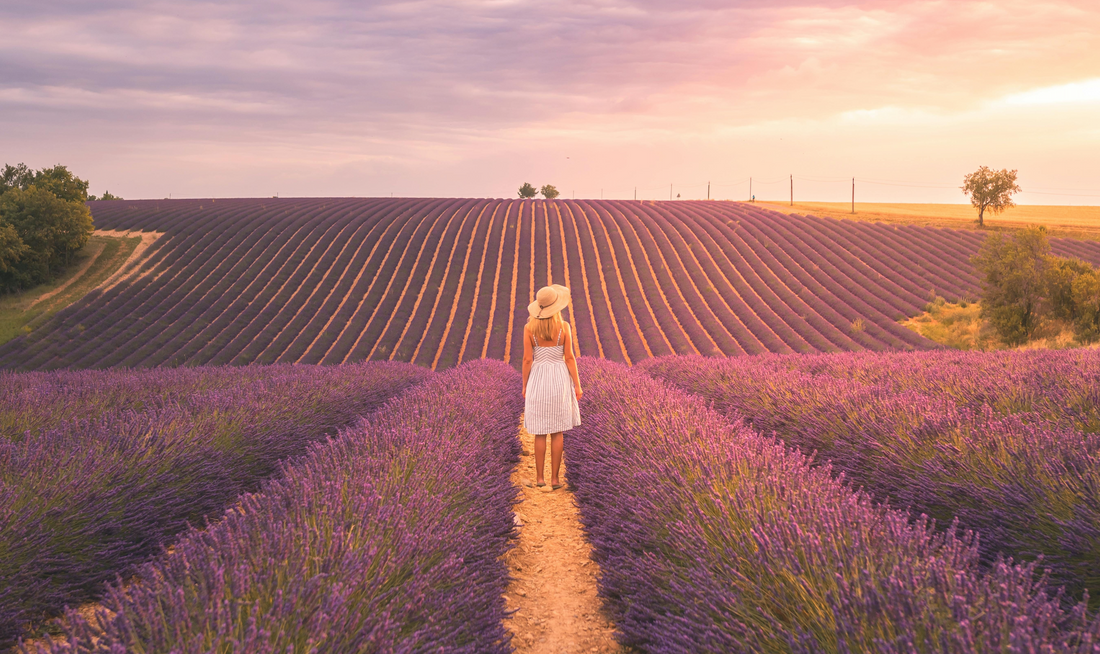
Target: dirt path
{"x":553,"y":597}
{"x":95,"y":249}
{"x":147,"y":239}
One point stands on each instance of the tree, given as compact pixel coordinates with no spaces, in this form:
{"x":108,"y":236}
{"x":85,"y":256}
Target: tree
{"x":1086,"y":299}
{"x":57,"y":180}
{"x":52,"y":229}
{"x":107,"y":195}
{"x":1014,"y":282}
{"x":62,"y":183}
{"x":18,"y":176}
{"x":549,"y":192}
{"x":1061,"y":274}
{"x":990,"y":190}
{"x":12,"y":248}
{"x":527,"y":191}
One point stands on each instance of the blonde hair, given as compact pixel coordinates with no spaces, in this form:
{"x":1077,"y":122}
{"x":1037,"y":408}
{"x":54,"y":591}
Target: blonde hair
{"x":546,"y":329}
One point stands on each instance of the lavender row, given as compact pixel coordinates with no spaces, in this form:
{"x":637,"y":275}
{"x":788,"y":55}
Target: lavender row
{"x":34,"y":401}
{"x":1025,"y":482}
{"x":440,"y":344}
{"x":771,"y":286}
{"x":1061,"y":386}
{"x":324,"y":281}
{"x":713,"y":538}
{"x":81,"y":500}
{"x":387,"y":539}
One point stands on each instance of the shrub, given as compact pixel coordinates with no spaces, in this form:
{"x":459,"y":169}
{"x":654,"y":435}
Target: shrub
{"x":1014,"y":283}
{"x":1086,"y":301}
{"x":1060,"y":275}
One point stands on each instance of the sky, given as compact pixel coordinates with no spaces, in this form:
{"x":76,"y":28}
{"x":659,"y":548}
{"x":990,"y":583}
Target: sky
{"x":608,"y":98}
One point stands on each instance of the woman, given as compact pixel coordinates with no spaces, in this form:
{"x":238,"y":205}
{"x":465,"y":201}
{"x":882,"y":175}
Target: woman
{"x":551,"y":387}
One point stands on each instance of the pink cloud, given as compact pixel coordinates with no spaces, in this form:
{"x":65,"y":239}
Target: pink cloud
{"x":337,"y":91}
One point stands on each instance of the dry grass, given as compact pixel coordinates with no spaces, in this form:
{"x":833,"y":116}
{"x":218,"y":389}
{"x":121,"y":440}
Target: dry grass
{"x":960,"y":326}
{"x":21,"y":313}
{"x":1064,"y":222}
{"x":957,"y":325}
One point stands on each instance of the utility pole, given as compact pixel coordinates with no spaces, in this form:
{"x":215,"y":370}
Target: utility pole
{"x":670,"y":191}
{"x":635,"y":192}
{"x":750,"y":189}
{"x":792,"y":190}
{"x":853,"y":196}
{"x":708,"y":190}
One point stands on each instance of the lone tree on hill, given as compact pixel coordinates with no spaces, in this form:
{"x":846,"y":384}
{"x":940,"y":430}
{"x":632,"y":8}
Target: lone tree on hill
{"x":527,"y":191}
{"x":990,"y":190}
{"x":549,"y":192}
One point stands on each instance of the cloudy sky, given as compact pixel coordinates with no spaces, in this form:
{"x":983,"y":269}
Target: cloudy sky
{"x":472,"y":98}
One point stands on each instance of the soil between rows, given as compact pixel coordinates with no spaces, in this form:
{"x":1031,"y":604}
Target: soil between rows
{"x":553,"y":599}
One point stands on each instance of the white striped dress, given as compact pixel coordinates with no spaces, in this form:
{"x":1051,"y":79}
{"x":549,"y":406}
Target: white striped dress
{"x":551,"y":405}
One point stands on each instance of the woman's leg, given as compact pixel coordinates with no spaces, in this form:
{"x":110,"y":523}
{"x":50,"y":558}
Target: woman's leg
{"x":557,"y":446}
{"x":540,"y":458}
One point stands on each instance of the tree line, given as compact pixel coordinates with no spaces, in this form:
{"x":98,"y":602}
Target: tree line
{"x":1025,"y":286}
{"x":43,"y":223}
{"x":528,"y":191}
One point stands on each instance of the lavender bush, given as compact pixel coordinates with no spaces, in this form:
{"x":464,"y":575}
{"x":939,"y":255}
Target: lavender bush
{"x":713,"y":538}
{"x":927,"y":438}
{"x":81,"y":500}
{"x":386,"y":539}
{"x":1060,"y":386}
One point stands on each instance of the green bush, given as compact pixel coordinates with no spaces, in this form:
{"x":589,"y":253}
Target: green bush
{"x":1061,"y":274}
{"x":1014,"y":282}
{"x":1022,"y":284}
{"x":1086,"y":300}
{"x":43,"y":223}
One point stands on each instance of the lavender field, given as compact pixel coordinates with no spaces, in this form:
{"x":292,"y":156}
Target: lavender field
{"x":715,"y":537}
{"x":367,"y":542}
{"x":99,"y":470}
{"x":440,"y":281}
{"x":857,"y":502}
{"x":293,"y":427}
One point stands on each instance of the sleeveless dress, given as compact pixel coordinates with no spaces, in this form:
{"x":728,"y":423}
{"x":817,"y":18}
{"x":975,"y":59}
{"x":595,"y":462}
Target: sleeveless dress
{"x":551,"y":404}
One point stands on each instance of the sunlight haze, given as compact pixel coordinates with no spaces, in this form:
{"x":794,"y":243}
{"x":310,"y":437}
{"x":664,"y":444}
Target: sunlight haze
{"x":471,"y":99}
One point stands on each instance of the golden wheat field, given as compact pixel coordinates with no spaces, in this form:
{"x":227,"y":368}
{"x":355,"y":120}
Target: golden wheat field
{"x":1072,"y":218}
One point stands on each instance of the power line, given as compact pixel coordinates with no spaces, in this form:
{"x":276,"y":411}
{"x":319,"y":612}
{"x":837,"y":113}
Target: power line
{"x":1069,"y":195}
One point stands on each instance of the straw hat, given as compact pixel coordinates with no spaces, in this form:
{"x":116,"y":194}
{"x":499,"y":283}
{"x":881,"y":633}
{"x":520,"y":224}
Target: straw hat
{"x":548,"y":301}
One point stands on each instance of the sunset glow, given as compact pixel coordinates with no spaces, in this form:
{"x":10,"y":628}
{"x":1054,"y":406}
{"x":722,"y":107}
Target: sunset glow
{"x":472,"y":98}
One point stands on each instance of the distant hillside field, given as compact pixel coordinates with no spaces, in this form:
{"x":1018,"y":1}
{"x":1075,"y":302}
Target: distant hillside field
{"x":441,"y":281}
{"x":1081,"y":221}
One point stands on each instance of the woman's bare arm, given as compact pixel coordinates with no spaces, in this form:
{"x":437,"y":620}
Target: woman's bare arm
{"x":528,"y":357}
{"x":571,"y":361}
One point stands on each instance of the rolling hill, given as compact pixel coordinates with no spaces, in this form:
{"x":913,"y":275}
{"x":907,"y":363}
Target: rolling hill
{"x":441,"y":281}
